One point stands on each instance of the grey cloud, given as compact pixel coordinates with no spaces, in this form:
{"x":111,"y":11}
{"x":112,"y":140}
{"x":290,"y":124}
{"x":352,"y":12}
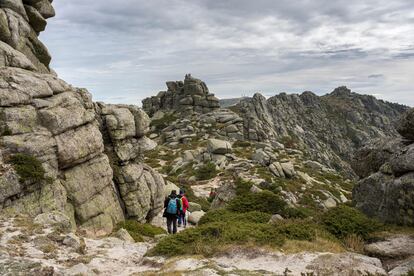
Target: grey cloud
{"x":124,"y":50}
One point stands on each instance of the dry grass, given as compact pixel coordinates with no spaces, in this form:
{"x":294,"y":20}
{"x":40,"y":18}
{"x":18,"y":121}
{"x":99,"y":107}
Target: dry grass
{"x":354,"y":243}
{"x":318,"y":245}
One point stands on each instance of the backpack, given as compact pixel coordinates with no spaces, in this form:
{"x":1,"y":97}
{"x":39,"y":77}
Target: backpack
{"x":172,"y":206}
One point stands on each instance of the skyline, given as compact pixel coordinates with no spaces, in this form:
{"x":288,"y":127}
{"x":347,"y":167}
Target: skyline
{"x":123,"y":52}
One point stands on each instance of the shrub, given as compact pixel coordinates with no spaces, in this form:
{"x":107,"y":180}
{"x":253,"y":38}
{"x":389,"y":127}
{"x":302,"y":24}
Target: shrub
{"x":210,"y":238}
{"x":343,"y":221}
{"x":242,"y":187}
{"x":137,"y":230}
{"x":206,"y":171}
{"x":298,"y":230}
{"x":266,"y":202}
{"x":299,"y":212}
{"x":222,"y":215}
{"x":28,"y":167}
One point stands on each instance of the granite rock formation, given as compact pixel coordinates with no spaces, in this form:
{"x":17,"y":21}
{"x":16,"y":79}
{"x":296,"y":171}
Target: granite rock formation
{"x":386,"y":166}
{"x":192,"y":95}
{"x":81,"y":146}
{"x":329,"y":128}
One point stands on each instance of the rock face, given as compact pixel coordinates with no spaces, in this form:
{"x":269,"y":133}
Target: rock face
{"x":192,"y":95}
{"x":386,"y":167}
{"x":328,"y":127}
{"x":82,"y":146}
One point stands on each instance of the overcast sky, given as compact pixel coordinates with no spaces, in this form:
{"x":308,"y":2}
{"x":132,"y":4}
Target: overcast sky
{"x":125,"y":50}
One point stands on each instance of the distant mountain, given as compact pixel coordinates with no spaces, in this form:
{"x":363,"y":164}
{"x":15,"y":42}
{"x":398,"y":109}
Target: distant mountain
{"x":231,"y":101}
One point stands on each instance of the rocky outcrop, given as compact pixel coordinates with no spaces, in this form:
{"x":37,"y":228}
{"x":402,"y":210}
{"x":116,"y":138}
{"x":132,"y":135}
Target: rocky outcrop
{"x":20,"y":24}
{"x":386,"y":190}
{"x":329,"y":128}
{"x":192,"y":95}
{"x":82,"y":146}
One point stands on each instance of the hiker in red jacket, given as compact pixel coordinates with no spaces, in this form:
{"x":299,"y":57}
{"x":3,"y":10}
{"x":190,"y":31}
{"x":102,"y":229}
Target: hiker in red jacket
{"x":184,"y":206}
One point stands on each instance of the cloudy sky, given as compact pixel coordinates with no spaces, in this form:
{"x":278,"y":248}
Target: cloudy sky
{"x":125,"y":50}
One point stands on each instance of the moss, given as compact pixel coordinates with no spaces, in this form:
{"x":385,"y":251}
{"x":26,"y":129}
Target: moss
{"x":28,"y":168}
{"x":343,"y":221}
{"x":206,"y":171}
{"x":138,"y":230}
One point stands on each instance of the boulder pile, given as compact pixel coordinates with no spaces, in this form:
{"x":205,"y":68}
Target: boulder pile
{"x":192,"y":95}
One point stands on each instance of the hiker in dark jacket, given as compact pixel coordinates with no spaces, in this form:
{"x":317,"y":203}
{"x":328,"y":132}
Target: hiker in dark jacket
{"x":172,"y":205}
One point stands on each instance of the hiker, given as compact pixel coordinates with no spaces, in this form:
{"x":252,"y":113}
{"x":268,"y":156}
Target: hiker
{"x":213,"y":194}
{"x":184,"y":206}
{"x":172,"y":205}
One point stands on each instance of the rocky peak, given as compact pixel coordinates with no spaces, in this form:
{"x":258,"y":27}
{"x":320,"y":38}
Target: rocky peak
{"x":190,"y":95}
{"x":341,"y":91}
{"x":329,"y":127}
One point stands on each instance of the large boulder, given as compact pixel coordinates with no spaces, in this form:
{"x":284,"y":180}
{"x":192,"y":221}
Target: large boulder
{"x":216,"y":146}
{"x":195,"y":217}
{"x":374,"y":154}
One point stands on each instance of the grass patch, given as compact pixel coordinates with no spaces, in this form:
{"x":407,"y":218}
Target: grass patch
{"x":138,"y":230}
{"x":28,"y":167}
{"x":206,"y":171}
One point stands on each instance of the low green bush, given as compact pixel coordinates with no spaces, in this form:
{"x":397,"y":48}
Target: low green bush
{"x":28,"y":167}
{"x":210,"y":238}
{"x":138,"y":230}
{"x":298,"y":212}
{"x":266,"y":202}
{"x":223,"y":215}
{"x":242,"y":187}
{"x":206,"y":171}
{"x":343,"y":221}
{"x":298,"y":230}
